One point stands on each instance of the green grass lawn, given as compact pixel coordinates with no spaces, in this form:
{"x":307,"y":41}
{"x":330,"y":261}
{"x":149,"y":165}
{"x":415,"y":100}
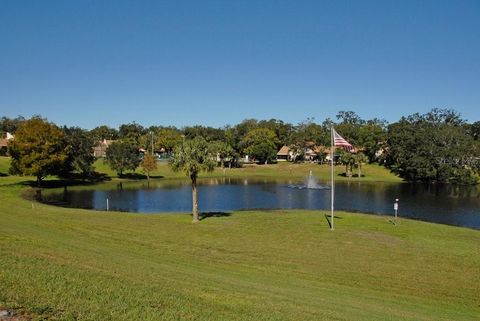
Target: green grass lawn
{"x":370,"y":172}
{"x":71,"y":264}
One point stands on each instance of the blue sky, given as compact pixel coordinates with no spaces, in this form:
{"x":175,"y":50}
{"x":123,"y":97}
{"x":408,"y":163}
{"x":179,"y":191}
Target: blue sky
{"x":180,"y":63}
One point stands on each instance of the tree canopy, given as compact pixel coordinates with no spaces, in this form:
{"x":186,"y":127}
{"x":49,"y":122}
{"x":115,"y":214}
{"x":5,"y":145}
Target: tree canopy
{"x":79,"y":154}
{"x":261,"y":144}
{"x":122,"y":156}
{"x":432,"y":147}
{"x":149,"y":164}
{"x":39,"y":149}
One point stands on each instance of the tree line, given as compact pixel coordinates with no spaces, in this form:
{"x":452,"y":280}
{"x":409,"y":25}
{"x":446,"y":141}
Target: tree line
{"x":438,"y":146}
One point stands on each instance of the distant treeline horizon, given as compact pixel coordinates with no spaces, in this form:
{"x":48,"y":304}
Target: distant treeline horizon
{"x":11,"y":122}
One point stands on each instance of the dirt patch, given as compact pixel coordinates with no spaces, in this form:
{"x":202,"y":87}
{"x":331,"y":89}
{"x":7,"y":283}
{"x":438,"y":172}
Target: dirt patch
{"x":10,"y":315}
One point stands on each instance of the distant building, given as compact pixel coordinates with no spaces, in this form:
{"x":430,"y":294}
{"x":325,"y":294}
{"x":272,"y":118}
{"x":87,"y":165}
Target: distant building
{"x":284,"y":154}
{"x":100,"y":150}
{"x":4,"y":144}
{"x":310,"y":152}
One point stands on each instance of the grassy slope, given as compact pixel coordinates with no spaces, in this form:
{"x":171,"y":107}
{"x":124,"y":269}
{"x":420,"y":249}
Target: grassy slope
{"x":73,"y":264}
{"x":372,"y":172}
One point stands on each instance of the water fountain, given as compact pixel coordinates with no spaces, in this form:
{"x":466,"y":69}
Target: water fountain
{"x":310,"y":183}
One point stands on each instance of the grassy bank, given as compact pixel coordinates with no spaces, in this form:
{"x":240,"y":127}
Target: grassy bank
{"x":370,"y":172}
{"x":70,"y":264}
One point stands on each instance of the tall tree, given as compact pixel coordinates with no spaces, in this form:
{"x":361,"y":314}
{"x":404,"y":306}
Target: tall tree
{"x":10,"y":125}
{"x":79,"y":157}
{"x":474,"y":130}
{"x":224,"y":152}
{"x":131,"y":133}
{"x":38,"y":149}
{"x":149,"y":164}
{"x":234,"y":135}
{"x":349,"y":125}
{"x":371,"y":137}
{"x":209,"y":133}
{"x":308,"y":131}
{"x":192,"y":157}
{"x":103,"y":132}
{"x":347,"y":159}
{"x":432,"y":147}
{"x":261,"y":144}
{"x":281,"y":129}
{"x":167,"y":138}
{"x":360,"y":159}
{"x":122,"y":156}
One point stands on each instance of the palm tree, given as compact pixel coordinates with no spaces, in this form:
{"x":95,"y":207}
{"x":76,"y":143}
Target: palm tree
{"x":192,"y":157}
{"x":360,"y":159}
{"x":347,"y":159}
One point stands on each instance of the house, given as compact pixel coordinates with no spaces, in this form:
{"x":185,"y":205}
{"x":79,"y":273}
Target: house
{"x":4,"y":143}
{"x":309,"y":152}
{"x":100,"y":150}
{"x":284,"y":154}
{"x":3,"y":146}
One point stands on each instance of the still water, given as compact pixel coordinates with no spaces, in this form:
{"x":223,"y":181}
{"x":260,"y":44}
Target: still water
{"x":447,"y":204}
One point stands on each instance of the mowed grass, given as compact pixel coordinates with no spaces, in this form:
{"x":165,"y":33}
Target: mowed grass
{"x":71,"y":264}
{"x":370,"y":172}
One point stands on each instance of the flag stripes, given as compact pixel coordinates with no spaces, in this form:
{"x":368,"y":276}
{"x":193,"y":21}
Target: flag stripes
{"x":341,"y":142}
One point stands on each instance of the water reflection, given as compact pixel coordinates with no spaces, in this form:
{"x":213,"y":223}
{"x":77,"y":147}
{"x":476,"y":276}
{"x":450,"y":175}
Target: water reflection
{"x":457,"y":205}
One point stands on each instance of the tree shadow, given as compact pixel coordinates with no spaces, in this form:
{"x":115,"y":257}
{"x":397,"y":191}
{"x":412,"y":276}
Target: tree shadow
{"x":71,"y":180}
{"x":3,"y":175}
{"x":356,"y":175}
{"x":393,"y":222}
{"x":157,"y":176}
{"x":327,"y":218}
{"x":213,"y":214}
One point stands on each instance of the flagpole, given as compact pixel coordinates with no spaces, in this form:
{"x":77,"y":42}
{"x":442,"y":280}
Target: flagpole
{"x":332,"y":189}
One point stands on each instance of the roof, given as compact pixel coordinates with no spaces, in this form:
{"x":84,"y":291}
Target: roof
{"x":104,"y":142}
{"x":283,"y":151}
{"x":3,"y":142}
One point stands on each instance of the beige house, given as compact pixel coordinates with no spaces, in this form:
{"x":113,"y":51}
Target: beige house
{"x":4,"y":143}
{"x":284,"y":154}
{"x":100,"y":150}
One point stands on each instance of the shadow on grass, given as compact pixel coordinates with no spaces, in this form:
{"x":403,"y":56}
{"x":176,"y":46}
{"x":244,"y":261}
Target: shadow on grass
{"x":393,"y":222}
{"x":3,"y":175}
{"x":138,"y":176}
{"x":351,"y":176}
{"x":71,"y":180}
{"x":327,"y":218}
{"x":206,"y":215}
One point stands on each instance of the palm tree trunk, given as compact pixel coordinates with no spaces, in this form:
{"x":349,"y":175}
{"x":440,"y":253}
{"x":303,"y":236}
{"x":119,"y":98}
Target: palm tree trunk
{"x":194,"y":199}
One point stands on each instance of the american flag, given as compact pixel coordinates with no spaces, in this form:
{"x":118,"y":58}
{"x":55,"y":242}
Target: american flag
{"x":340,"y":141}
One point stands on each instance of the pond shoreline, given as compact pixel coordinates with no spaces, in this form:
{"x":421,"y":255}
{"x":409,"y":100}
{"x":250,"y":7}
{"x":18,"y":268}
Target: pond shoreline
{"x":217,"y":194}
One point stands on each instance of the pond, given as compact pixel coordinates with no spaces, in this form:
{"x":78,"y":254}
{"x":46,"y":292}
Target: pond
{"x":446,"y":204}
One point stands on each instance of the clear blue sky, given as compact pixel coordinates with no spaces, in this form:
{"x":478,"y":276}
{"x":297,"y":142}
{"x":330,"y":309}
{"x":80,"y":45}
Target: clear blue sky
{"x":180,"y":63}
